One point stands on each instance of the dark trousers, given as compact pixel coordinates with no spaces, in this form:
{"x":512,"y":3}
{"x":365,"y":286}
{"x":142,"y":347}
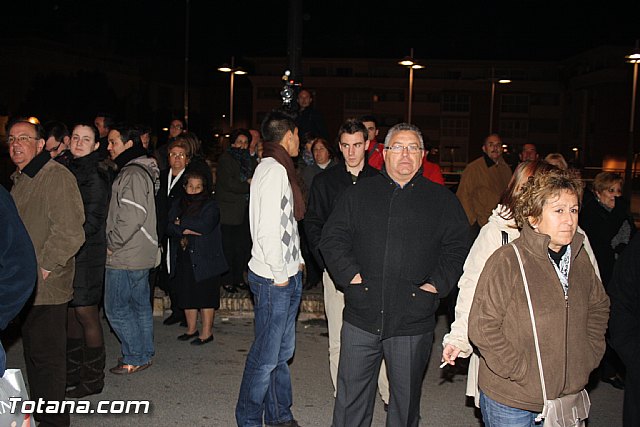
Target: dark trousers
{"x":44,"y":338}
{"x":361,"y":354}
{"x":236,"y":245}
{"x":631,"y":411}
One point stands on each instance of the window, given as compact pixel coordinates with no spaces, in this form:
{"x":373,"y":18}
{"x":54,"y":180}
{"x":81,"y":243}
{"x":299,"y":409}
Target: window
{"x":546,"y":99}
{"x":391,"y":96}
{"x":511,"y":103}
{"x":344,"y":72}
{"x":515,"y":128}
{"x":455,"y":103}
{"x":454,"y":127}
{"x":318,"y":71}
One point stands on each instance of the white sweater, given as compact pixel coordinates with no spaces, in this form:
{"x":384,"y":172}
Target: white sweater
{"x":275,"y":253}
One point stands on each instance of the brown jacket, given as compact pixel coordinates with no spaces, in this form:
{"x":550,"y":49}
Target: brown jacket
{"x":49,"y":203}
{"x":570,"y":334}
{"x":480,"y":188}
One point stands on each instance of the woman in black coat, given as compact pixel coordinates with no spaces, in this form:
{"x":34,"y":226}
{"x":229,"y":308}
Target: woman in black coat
{"x":607,"y":220}
{"x":85,"y":343}
{"x":196,"y":257}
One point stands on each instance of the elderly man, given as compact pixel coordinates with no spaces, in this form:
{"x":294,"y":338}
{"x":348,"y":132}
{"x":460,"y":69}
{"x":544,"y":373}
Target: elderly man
{"x":393,"y":268}
{"x":50,"y":206}
{"x":482,"y":182}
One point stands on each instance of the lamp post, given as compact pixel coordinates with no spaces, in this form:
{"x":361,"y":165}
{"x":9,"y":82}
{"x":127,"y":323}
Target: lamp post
{"x":411,"y":64}
{"x":633,"y":58}
{"x":232,"y":70}
{"x":493,"y":81}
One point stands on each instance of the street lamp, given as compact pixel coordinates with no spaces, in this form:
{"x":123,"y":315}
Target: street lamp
{"x":225,"y":68}
{"x":411,"y":64}
{"x":493,"y":81}
{"x":633,"y":58}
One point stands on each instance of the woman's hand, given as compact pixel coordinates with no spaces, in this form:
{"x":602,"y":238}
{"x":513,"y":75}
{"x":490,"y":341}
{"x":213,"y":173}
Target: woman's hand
{"x":450,"y":354}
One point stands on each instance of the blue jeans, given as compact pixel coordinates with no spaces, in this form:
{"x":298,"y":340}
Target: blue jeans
{"x":127,"y":306}
{"x":495,"y":414}
{"x":266,"y":382}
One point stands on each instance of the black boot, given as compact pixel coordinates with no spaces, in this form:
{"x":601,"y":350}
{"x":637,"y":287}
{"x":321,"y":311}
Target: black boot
{"x":91,"y":374}
{"x":74,"y":361}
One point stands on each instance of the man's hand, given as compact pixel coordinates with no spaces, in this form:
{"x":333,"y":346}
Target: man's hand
{"x":357,"y":279}
{"x":44,"y":273}
{"x":428,"y":287}
{"x":109,"y":252}
{"x":193,"y":233}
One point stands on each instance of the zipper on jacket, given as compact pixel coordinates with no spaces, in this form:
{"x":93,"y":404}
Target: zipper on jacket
{"x":566,"y":339}
{"x":384,"y":265}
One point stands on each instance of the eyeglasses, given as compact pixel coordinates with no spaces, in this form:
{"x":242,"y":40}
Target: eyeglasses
{"x":398,"y":149}
{"x":176,"y":126}
{"x":177,"y":155}
{"x":22,"y":139}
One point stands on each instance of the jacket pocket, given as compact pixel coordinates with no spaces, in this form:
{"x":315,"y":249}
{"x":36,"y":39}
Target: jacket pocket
{"x":420,"y":305}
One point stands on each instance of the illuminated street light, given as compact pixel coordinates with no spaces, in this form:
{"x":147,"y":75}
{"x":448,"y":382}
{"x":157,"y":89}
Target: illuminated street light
{"x":225,"y":68}
{"x":493,"y":81}
{"x":633,"y":58}
{"x":411,"y":64}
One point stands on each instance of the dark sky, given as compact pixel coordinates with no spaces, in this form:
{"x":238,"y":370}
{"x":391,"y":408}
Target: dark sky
{"x":520,"y":29}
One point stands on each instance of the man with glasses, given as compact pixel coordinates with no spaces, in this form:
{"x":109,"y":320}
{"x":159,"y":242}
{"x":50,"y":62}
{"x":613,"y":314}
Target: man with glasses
{"x":393,"y":268}
{"x":50,"y":206}
{"x":57,"y":142}
{"x":326,"y":189}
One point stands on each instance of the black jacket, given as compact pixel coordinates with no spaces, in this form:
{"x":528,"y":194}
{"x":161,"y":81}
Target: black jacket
{"x":164,"y":202}
{"x":95,"y":188}
{"x":418,"y":234}
{"x":601,"y":226}
{"x":205,"y":251}
{"x":327,"y":187}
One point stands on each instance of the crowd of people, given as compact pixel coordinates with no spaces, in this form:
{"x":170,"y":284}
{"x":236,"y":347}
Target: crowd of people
{"x":526,"y":262}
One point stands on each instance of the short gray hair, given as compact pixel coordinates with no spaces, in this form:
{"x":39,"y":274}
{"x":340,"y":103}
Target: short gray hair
{"x":403,"y":127}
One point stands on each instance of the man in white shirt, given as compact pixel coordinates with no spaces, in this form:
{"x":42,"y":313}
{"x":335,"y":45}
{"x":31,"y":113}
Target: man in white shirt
{"x":276,"y":204}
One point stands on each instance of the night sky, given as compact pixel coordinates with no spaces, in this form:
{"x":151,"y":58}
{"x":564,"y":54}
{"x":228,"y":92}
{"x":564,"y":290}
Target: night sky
{"x":519,"y":29}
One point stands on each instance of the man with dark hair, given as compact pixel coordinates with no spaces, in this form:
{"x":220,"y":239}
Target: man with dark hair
{"x":56,"y":135}
{"x":326,"y":189}
{"x":393,"y":267}
{"x":276,"y":204}
{"x":375,"y":149}
{"x":132,"y":249}
{"x":50,"y":206}
{"x":104,"y":122}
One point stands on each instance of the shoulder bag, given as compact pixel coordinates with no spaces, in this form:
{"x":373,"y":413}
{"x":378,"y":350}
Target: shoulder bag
{"x":566,"y":411}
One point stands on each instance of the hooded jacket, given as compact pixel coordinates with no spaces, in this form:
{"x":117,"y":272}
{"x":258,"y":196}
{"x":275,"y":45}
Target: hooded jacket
{"x":570,"y":332}
{"x":131,"y":223}
{"x":419,"y":235}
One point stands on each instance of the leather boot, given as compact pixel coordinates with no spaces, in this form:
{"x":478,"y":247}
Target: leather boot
{"x":91,"y":373}
{"x":74,"y":361}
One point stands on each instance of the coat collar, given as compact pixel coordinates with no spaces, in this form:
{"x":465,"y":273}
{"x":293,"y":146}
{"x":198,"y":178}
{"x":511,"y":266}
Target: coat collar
{"x":36,"y":164}
{"x":538,"y":243}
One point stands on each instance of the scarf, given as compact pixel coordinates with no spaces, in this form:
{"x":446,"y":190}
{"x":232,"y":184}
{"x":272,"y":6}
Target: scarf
{"x":191,"y":204}
{"x":243,"y":157}
{"x":129,"y":154}
{"x":271,"y":149}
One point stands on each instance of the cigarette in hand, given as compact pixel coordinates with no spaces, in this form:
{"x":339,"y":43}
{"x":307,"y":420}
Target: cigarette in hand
{"x":445,"y":363}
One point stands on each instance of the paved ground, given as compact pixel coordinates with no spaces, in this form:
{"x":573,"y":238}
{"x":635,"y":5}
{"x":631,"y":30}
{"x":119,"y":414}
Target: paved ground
{"x":198,"y":386}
